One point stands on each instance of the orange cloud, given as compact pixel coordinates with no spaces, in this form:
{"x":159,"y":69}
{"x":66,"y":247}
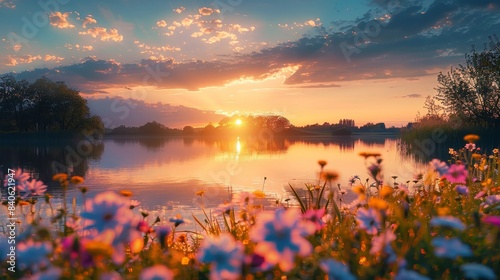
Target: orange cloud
{"x":88,"y":20}
{"x":49,"y":57}
{"x":60,"y":20}
{"x":187,"y":22}
{"x":27,"y":59}
{"x":161,"y":23}
{"x":179,"y":10}
{"x":205,"y":11}
{"x":103,"y":34}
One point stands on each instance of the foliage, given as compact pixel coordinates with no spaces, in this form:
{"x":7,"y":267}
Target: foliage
{"x":472,"y":91}
{"x":443,"y":225}
{"x":43,"y":106}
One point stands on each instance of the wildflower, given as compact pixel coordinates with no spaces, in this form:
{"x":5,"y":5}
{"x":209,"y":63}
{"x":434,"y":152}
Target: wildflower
{"x":336,"y":270}
{"x":224,"y":254}
{"x":110,"y":275}
{"x":491,"y":200}
{"x":73,"y":248}
{"x":178,"y":220}
{"x":200,"y":193}
{"x":259,"y":194}
{"x":464,"y":190}
{"x":451,"y":151}
{"x":107,"y":210}
{"x":439,"y":166}
{"x":443,"y":211}
{"x":126,"y":193}
{"x":495,"y":151}
{"x":279,"y":235}
{"x":447,"y":221}
{"x":258,"y":262}
{"x":377,"y":203}
{"x":456,"y":173}
{"x":470,"y":146}
{"x":162,"y":233}
{"x":223,"y":208}
{"x":315,"y":216}
{"x":329,"y":175}
{"x":359,"y":189}
{"x":471,"y":138}
{"x":60,"y":177}
{"x":353,"y":179}
{"x":480,"y":194}
{"x":382,"y":244}
{"x":50,"y":273}
{"x":369,"y":220}
{"x":33,"y":254}
{"x":492,"y":220}
{"x":32,"y":188}
{"x":450,"y":248}
{"x":404,"y":274}
{"x":477,"y":271}
{"x":77,"y":180}
{"x":134,"y":203}
{"x":322,"y":163}
{"x":18,"y":177}
{"x":386,"y":191}
{"x":156,"y":272}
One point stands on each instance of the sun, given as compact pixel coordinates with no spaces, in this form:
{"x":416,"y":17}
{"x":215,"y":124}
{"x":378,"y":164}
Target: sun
{"x":238,"y":122}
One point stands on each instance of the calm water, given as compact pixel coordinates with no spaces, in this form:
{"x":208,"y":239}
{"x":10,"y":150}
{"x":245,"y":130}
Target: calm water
{"x":168,"y":172}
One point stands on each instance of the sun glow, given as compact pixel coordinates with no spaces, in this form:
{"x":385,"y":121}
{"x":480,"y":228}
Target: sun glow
{"x":238,"y":122}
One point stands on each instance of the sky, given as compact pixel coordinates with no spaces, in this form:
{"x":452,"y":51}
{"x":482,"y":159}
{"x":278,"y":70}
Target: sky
{"x":192,"y":62}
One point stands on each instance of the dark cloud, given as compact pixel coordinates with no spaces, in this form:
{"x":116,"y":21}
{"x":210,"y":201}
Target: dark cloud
{"x":132,"y":112}
{"x":412,"y":41}
{"x":413,"y":95}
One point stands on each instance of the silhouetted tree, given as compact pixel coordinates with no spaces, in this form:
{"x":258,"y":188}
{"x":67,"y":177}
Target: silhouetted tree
{"x":472,"y":91}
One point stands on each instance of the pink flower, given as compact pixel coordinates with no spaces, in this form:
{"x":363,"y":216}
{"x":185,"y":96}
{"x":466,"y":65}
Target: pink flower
{"x":492,"y":220}
{"x":156,"y":272}
{"x":17,"y":177}
{"x":315,"y":217}
{"x":32,"y":188}
{"x":470,"y":146}
{"x":369,"y":220}
{"x":457,"y":173}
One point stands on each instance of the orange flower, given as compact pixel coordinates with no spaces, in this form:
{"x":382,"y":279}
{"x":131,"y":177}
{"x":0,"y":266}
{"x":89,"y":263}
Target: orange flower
{"x":471,"y":138}
{"x":77,"y":180}
{"x":60,"y":177}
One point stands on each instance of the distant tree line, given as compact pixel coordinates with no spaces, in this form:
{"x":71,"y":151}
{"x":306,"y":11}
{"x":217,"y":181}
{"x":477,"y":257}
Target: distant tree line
{"x":44,"y":105}
{"x":150,"y":128}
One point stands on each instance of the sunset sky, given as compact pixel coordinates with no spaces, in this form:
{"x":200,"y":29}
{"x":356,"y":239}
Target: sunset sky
{"x":189,"y":62}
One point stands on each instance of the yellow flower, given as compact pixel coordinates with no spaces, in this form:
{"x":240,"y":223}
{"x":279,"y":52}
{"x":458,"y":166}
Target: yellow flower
{"x":185,"y":261}
{"x":329,"y":175}
{"x":60,"y":177}
{"x":359,"y":189}
{"x":23,"y":203}
{"x":378,"y":203}
{"x":443,"y":211}
{"x":200,"y":193}
{"x":77,"y":180}
{"x":471,"y":138}
{"x":126,"y":193}
{"x":322,"y":163}
{"x":386,"y":191}
{"x":259,"y":194}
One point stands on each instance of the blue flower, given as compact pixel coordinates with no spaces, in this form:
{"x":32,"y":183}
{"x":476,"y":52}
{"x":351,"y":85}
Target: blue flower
{"x":279,"y":236}
{"x":439,"y":166}
{"x":477,"y":271}
{"x":448,"y":221}
{"x":224,"y":254}
{"x":336,"y":270}
{"x":404,"y":274}
{"x":450,"y":248}
{"x":369,"y":220}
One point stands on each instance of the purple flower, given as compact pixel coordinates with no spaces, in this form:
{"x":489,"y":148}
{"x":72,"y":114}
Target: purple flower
{"x":480,"y":194}
{"x":477,"y":271}
{"x":51,"y":273}
{"x":450,"y":248}
{"x":464,"y":190}
{"x":448,"y":221}
{"x":224,"y":254}
{"x":279,"y":236}
{"x":491,"y":200}
{"x":156,"y":272}
{"x":336,"y":270}
{"x":369,"y":220}
{"x":440,"y":166}
{"x":456,"y":173}
{"x":492,"y":220}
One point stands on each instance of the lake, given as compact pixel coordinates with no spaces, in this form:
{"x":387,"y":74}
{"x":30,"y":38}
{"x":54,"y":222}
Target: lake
{"x":165,"y":173}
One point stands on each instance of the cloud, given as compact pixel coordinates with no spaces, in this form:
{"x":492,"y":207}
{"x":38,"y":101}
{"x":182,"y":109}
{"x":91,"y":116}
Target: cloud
{"x":187,"y":22}
{"x":7,"y":4}
{"x":78,"y":47}
{"x":27,"y":59}
{"x":140,"y":112}
{"x":60,"y":20}
{"x":49,"y":57}
{"x":207,"y":11}
{"x":413,"y":95}
{"x":161,"y":23}
{"x":179,"y":10}
{"x":88,"y":20}
{"x":103,"y":34}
